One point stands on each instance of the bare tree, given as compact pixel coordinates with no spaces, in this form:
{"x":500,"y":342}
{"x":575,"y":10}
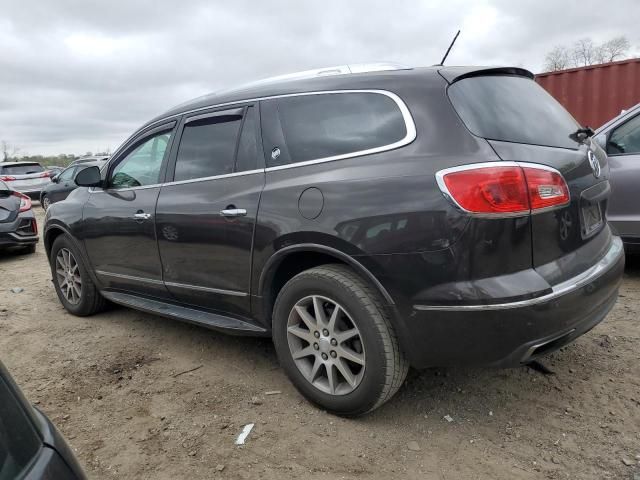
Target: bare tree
{"x":8,"y":151}
{"x":616,"y":48}
{"x":557,"y":59}
{"x":584,"y":52}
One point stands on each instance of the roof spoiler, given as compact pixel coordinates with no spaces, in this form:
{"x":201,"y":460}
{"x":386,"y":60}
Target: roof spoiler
{"x":454,"y":74}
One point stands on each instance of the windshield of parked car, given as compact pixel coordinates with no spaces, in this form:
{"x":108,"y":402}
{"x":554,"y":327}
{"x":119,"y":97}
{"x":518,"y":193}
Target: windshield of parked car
{"x":21,"y":169}
{"x":513,"y":109}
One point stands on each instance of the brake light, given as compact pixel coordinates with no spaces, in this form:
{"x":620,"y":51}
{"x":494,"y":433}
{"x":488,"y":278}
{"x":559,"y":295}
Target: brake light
{"x":45,"y":174}
{"x":504,"y":188}
{"x":25,"y":202}
{"x":7,"y":178}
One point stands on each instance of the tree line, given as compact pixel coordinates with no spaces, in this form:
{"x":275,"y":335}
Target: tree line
{"x":585,"y":52}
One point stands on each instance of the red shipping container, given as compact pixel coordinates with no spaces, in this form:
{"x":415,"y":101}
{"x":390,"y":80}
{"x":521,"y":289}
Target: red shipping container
{"x":597,"y":93}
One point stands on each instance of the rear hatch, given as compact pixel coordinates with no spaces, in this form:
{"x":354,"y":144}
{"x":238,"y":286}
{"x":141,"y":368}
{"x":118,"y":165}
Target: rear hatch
{"x":9,"y":204}
{"x":24,"y":176}
{"x":523,"y":123}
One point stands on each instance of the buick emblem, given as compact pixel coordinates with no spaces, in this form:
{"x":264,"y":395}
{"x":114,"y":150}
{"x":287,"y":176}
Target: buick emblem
{"x":595,"y":164}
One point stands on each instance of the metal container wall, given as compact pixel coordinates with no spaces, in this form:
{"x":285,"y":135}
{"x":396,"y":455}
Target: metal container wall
{"x":597,"y":93}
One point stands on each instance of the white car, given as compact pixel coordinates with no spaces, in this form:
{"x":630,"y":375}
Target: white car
{"x":25,"y":177}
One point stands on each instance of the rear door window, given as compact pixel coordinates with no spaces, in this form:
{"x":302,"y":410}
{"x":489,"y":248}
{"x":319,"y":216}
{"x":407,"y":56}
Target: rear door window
{"x":22,"y":169}
{"x":320,"y":126}
{"x":512,"y":109}
{"x":207,"y":147}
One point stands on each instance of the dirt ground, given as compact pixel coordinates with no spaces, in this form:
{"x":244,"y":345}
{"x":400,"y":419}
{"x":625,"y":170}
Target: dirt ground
{"x":112,"y":385}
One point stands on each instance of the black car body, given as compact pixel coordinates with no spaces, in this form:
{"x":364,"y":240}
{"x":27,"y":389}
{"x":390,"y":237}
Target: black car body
{"x":361,"y":187}
{"x":30,"y":446}
{"x":18,"y":226}
{"x":63,"y":183}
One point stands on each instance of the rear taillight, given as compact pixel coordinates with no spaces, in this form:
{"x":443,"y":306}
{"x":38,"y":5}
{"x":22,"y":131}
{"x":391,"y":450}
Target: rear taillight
{"x":504,"y":188}
{"x":45,"y":174}
{"x":25,"y":202}
{"x":7,"y":178}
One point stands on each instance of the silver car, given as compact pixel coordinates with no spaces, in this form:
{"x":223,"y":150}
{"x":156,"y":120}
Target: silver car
{"x":620,"y":137}
{"x":25,"y":177}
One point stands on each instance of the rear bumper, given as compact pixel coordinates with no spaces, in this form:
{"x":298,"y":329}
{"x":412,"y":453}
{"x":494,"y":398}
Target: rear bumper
{"x":514,"y":332}
{"x":17,"y":233}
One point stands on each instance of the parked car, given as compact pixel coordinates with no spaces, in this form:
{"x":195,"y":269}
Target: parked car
{"x":620,"y":137}
{"x":30,"y":446}
{"x":97,"y":158}
{"x":63,"y":184}
{"x":18,"y":226}
{"x":25,"y":177}
{"x":367,"y":222}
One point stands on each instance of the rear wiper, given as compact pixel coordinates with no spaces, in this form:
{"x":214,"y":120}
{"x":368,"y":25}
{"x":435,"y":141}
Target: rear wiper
{"x":581,"y":134}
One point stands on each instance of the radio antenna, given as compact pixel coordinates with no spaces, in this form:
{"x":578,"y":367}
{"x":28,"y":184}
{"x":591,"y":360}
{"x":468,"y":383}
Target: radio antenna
{"x":449,"y":49}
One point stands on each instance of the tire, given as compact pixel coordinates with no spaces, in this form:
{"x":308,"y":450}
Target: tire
{"x":46,"y":203}
{"x":89,"y":300}
{"x":384,"y":366}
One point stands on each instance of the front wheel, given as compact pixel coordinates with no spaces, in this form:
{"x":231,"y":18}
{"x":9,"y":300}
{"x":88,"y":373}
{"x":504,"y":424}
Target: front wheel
{"x":46,"y":203}
{"x":76,"y":291}
{"x":336,"y":342}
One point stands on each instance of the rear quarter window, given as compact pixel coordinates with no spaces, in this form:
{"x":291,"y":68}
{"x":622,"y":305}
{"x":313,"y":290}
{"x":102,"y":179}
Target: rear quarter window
{"x":512,"y":109}
{"x":320,"y":126}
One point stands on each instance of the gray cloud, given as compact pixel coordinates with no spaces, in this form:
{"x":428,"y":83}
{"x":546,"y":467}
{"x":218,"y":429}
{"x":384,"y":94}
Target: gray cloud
{"x":78,"y":75}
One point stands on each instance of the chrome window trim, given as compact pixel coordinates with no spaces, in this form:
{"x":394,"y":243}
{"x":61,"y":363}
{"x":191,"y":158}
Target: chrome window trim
{"x":440,"y":174}
{"x":568,"y":286}
{"x":170,"y":284}
{"x":404,"y":110}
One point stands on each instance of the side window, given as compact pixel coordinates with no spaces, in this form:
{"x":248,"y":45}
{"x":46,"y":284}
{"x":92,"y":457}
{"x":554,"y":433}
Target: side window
{"x":247,"y":157}
{"x":142,"y":165}
{"x":626,"y":138}
{"x":67,"y":174}
{"x":326,"y":125}
{"x":207,"y":147}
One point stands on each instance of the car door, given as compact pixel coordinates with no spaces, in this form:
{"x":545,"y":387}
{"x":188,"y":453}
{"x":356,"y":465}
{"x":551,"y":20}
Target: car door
{"x":206,"y":214}
{"x":623,"y":148}
{"x":119,"y":219}
{"x":63,"y":185}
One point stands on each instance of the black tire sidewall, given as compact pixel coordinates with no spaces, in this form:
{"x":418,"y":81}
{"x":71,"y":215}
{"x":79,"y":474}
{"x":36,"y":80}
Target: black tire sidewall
{"x":366,"y":395}
{"x":87,"y":289}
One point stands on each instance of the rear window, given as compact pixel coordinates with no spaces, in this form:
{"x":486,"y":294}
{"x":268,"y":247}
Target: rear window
{"x":512,"y":109}
{"x":326,"y":125}
{"x":22,"y":169}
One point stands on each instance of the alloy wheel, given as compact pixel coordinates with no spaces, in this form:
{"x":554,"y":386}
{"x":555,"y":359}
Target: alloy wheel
{"x":326,"y":345}
{"x":46,"y":203}
{"x":68,"y":276}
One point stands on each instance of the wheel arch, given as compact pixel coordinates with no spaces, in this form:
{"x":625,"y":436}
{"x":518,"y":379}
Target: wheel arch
{"x":291,"y":260}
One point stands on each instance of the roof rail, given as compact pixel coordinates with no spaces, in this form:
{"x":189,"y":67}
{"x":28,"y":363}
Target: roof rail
{"x":322,"y":72}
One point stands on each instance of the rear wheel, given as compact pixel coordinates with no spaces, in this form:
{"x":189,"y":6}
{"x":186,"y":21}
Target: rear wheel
{"x":46,"y":203}
{"x":75,"y":289}
{"x":335,"y":341}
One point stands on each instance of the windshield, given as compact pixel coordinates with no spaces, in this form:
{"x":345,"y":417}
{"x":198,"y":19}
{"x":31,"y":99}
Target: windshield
{"x":21,"y":169}
{"x":512,"y":109}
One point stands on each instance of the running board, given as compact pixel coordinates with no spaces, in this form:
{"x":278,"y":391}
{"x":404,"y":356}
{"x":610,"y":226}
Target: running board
{"x":185,"y":314}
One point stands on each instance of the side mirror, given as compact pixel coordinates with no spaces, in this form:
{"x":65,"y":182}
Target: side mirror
{"x":89,"y":177}
{"x":54,"y":179}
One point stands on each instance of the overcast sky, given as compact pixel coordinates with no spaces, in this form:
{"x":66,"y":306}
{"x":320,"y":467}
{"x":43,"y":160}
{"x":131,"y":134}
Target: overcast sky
{"x":81,"y":75}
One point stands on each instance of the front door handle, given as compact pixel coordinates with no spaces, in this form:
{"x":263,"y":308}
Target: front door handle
{"x":233,"y":212}
{"x":140,"y":216}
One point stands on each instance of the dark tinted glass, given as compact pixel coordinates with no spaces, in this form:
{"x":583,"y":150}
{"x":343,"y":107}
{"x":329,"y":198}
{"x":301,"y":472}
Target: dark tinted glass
{"x":19,"y":442}
{"x":67,"y":174}
{"x":513,"y":109}
{"x":247,"y":158}
{"x":207,"y":147}
{"x":625,"y":138}
{"x":23,"y":169}
{"x":320,"y":126}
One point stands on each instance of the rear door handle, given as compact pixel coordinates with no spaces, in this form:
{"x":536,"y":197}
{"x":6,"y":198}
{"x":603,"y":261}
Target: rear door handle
{"x":142,"y":216}
{"x":233,"y":212}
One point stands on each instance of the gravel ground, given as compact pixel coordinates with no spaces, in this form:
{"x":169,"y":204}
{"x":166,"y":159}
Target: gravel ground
{"x":114,"y":385}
